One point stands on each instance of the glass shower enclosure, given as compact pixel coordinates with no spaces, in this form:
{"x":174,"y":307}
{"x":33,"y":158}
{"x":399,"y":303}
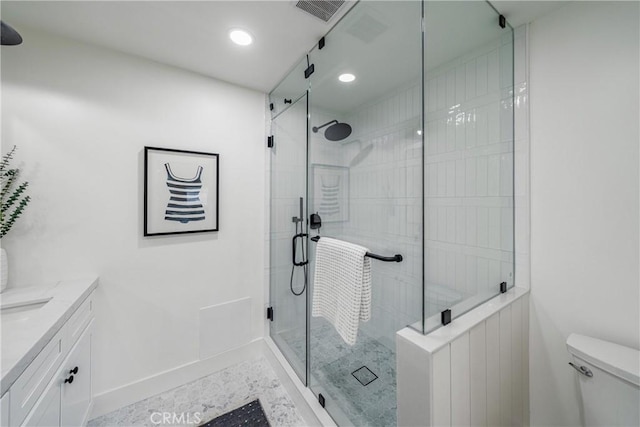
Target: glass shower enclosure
{"x":413,"y":156}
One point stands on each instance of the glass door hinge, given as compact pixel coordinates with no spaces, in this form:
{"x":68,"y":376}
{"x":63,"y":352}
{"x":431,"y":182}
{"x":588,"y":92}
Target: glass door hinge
{"x":310,"y":69}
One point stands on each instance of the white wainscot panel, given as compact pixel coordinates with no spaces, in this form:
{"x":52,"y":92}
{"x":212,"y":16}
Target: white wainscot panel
{"x":474,"y":371}
{"x":224,"y":327}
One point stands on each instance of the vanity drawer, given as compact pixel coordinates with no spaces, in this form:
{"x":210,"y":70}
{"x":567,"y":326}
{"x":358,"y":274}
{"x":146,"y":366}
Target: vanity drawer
{"x":77,"y":323}
{"x":30,"y":385}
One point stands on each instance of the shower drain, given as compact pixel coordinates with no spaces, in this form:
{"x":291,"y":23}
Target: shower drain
{"x":364,"y":375}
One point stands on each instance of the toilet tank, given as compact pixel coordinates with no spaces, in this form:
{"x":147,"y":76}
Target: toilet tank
{"x":611,"y":396}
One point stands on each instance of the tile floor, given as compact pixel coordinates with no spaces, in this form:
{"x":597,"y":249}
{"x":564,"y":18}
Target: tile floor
{"x":332,"y":364}
{"x":211,"y":396}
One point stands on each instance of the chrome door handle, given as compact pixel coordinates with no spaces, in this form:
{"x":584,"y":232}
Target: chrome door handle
{"x":582,"y":369}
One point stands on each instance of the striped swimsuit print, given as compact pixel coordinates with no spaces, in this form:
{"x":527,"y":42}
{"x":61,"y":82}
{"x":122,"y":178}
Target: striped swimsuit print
{"x":184,"y":204}
{"x":330,"y":205}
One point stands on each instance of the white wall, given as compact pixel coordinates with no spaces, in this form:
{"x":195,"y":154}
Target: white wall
{"x":584,"y":192}
{"x":81,"y":116}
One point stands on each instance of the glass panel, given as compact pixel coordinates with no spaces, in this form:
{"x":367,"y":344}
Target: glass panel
{"x":292,"y":87}
{"x":288,"y":283}
{"x":367,"y":188}
{"x":468,"y":62}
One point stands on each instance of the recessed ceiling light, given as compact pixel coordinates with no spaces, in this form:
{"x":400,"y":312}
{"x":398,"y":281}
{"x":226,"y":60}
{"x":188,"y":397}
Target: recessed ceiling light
{"x":240,"y":37}
{"x":346,"y":77}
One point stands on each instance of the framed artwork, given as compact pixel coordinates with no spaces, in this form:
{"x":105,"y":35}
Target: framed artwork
{"x":331,"y":192}
{"x":180,"y":191}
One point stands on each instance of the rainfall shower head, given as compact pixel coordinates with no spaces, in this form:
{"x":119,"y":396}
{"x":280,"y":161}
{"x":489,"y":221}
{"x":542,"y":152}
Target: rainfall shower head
{"x":336,"y":132}
{"x":9,"y":36}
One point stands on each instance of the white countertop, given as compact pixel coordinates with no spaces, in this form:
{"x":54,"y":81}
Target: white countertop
{"x":23,"y":337}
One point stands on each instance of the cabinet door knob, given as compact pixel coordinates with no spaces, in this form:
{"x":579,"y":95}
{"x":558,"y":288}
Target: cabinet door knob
{"x":69,"y":380}
{"x":74,"y":371}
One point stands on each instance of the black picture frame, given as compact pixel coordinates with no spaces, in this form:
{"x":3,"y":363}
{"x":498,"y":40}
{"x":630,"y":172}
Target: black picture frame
{"x":181,"y":191}
{"x":337,"y":177}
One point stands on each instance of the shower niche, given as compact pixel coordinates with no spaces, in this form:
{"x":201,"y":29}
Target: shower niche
{"x":398,"y":140}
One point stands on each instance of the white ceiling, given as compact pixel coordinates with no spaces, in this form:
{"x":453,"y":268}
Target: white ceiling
{"x":519,"y":12}
{"x":188,"y":34}
{"x":193,"y":34}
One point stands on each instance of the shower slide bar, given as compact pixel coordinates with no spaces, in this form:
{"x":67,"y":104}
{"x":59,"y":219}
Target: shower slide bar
{"x":395,"y":258}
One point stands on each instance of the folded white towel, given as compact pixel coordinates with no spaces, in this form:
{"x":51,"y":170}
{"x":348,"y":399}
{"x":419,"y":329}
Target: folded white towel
{"x":342,"y":286}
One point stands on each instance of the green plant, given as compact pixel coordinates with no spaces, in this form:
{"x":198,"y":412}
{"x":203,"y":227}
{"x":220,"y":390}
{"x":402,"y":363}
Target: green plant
{"x":13,"y":200}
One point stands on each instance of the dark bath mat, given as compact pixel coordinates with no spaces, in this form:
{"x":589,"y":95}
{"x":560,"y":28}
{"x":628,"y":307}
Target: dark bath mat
{"x":249,"y":415}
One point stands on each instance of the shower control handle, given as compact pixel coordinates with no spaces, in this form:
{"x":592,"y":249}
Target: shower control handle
{"x":315,"y":222}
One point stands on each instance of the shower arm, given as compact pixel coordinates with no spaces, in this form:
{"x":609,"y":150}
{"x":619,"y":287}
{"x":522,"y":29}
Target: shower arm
{"x":315,"y":129}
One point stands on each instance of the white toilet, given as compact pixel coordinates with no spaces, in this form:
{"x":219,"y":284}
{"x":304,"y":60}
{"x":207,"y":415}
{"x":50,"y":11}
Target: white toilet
{"x":609,"y":381}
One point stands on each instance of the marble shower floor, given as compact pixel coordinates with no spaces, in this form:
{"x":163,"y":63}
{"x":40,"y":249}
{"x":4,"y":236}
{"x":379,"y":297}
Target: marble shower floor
{"x":332,"y":364}
{"x":211,"y":396}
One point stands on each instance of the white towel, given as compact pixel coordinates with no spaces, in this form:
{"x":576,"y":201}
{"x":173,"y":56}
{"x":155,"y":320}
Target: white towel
{"x":342,"y":286}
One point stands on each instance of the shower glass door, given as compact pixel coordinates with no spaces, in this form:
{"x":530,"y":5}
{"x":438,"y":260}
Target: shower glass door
{"x":365,"y":182}
{"x":288,"y":165}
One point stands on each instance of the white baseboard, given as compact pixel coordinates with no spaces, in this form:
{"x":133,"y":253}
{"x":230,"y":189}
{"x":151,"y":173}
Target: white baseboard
{"x":304,"y":399}
{"x":111,"y":400}
{"x":87,"y":415}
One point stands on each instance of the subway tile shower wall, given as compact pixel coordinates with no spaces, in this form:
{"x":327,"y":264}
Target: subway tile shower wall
{"x":386,"y":206}
{"x":468,"y":176}
{"x":468,"y":188}
{"x":521,"y":159}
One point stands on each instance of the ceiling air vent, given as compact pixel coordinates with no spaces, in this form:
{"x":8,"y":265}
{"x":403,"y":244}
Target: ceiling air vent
{"x":323,"y":9}
{"x":366,"y":28}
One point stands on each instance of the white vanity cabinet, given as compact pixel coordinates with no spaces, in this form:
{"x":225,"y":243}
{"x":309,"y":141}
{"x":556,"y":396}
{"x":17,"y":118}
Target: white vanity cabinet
{"x":4,"y":410}
{"x":47,"y":411}
{"x":55,"y":389}
{"x":75,"y":396}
